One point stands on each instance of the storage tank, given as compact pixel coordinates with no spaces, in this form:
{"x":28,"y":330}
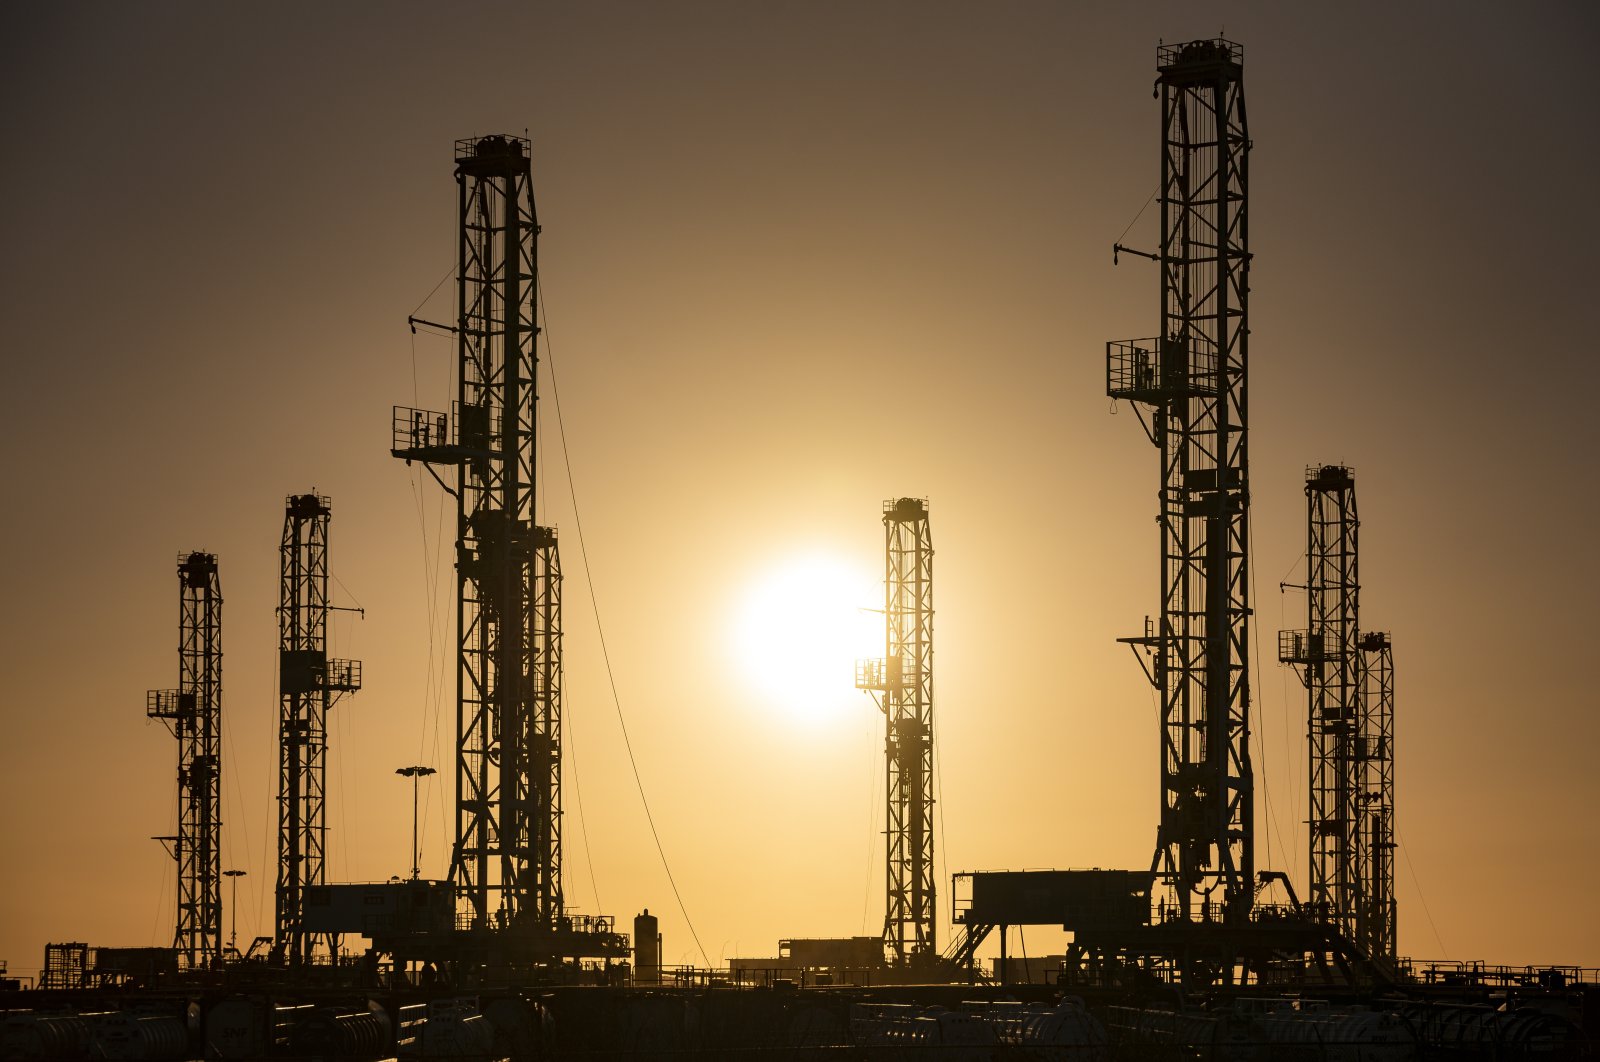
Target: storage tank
{"x":121,"y":1035}
{"x":1069,"y":1028}
{"x":1339,"y":1035}
{"x":343,"y":1031}
{"x":48,"y":1036}
{"x":646,"y":949}
{"x":456,"y":1029}
{"x":238,"y":1028}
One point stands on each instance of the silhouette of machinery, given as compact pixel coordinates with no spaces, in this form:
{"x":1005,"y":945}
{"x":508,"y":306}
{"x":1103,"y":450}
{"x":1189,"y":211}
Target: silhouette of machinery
{"x":902,"y":684}
{"x":1349,"y":680}
{"x":309,"y":682}
{"x":505,"y":864}
{"x":193,"y":712}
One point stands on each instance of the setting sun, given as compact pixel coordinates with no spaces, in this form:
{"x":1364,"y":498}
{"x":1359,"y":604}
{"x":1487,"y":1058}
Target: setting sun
{"x":799,"y":629}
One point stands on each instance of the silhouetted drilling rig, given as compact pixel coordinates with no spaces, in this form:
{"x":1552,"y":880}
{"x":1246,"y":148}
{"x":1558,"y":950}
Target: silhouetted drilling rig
{"x":1194,"y":955}
{"x":309,"y":682}
{"x":505,"y":865}
{"x":901,"y":681}
{"x":193,"y":712}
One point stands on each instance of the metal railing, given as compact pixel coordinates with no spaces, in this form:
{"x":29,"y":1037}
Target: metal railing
{"x":420,"y":429}
{"x":1216,"y":49}
{"x":1307,"y":647}
{"x":1155,"y":370}
{"x":880,"y":673}
{"x":493,"y":144}
{"x":343,"y":675}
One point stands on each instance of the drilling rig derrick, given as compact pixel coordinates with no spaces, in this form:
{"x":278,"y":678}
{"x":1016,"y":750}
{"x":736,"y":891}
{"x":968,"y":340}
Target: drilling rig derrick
{"x":902,"y":684}
{"x":506,"y":861}
{"x":1349,"y":678}
{"x":309,"y":682}
{"x":1188,"y":384}
{"x":193,"y":712}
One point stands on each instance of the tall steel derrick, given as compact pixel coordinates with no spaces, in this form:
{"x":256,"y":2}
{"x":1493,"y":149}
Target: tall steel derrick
{"x":308,"y":684}
{"x":902,"y":684}
{"x":1328,"y":655}
{"x":1349,"y":679}
{"x":193,"y":712}
{"x":1375,"y":922}
{"x":506,"y":863}
{"x":1191,"y":376}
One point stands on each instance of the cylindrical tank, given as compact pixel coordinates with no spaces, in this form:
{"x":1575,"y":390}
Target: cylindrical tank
{"x":1069,"y":1027}
{"x":122,"y":1035}
{"x":1339,"y":1035}
{"x":359,"y":1033}
{"x":237,"y":1028}
{"x":456,"y":1028}
{"x":646,"y":949}
{"x":44,"y":1036}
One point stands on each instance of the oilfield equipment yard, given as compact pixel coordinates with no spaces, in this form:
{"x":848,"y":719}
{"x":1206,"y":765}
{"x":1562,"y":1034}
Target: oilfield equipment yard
{"x":1211,"y":950}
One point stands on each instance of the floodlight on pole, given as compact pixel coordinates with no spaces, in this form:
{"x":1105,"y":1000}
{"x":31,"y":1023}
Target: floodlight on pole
{"x":416,"y":774}
{"x":233,"y":904}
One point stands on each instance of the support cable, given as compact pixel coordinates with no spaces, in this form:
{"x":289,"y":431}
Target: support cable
{"x":570,"y":750}
{"x":448,"y":273}
{"x":605,"y":653}
{"x":1414,"y":881}
{"x":432,"y":564}
{"x":1261,"y":684}
{"x":1132,"y":223}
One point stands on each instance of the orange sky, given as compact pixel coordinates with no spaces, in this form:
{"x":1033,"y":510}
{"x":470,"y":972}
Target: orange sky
{"x":797,"y":259}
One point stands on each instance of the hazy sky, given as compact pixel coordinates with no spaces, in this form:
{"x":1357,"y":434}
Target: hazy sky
{"x":797,"y":258}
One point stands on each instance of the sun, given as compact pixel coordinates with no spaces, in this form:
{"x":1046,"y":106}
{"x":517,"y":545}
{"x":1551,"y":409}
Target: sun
{"x":799,"y":630}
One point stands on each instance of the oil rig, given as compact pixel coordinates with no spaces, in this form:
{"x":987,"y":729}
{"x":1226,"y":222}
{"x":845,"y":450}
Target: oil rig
{"x":1201,"y":953}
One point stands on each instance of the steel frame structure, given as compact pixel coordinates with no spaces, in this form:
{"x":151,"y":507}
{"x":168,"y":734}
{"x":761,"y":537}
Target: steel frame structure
{"x":1327,"y":655}
{"x":506,"y":861}
{"x":1376,"y":917}
{"x":309,"y":683}
{"x":1349,"y":679}
{"x":193,"y":713}
{"x":902,"y":685}
{"x":1192,"y":379}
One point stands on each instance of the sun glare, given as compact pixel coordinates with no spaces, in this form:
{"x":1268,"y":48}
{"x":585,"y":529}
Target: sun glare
{"x":800,"y":630}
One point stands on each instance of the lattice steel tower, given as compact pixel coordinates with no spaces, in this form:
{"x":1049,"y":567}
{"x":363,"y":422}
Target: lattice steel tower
{"x":193,"y":712}
{"x":506,"y":863}
{"x":308,"y":684}
{"x":1349,"y":679}
{"x":1192,"y":379}
{"x":1328,"y":656}
{"x":902,"y":684}
{"x":1376,"y":918}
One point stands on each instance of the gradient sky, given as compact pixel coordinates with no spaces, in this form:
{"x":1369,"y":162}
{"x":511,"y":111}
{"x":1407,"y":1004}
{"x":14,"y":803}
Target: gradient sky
{"x":797,"y":258}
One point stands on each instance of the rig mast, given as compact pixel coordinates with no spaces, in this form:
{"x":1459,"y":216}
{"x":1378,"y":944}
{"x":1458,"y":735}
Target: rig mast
{"x":902,"y":684}
{"x":193,"y":713}
{"x":308,"y":684}
{"x":1375,"y":922}
{"x":506,"y":864}
{"x":1191,"y":376}
{"x":1349,"y":679}
{"x":1328,"y":655}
